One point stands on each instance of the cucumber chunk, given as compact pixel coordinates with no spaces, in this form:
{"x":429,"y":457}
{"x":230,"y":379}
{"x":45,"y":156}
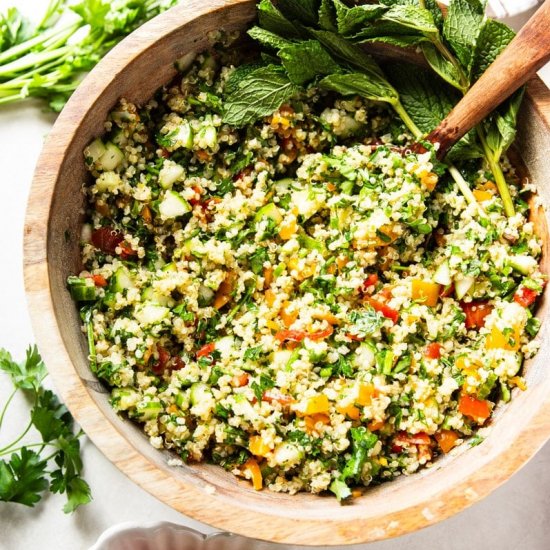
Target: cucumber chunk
{"x":111,"y":158}
{"x":94,"y":151}
{"x":173,"y":205}
{"x":170,"y":173}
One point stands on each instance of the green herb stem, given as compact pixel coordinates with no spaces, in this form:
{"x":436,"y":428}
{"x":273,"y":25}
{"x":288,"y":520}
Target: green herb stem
{"x":444,"y":51}
{"x":8,"y":448}
{"x":407,"y":120}
{"x":496,"y":169}
{"x":5,"y":408}
{"x":24,"y":47}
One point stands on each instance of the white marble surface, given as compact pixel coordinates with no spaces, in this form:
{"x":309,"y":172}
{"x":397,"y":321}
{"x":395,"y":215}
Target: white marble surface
{"x":515,"y":516}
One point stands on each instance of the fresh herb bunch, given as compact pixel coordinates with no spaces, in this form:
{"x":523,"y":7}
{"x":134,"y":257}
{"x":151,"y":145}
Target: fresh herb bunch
{"x":49,"y":60}
{"x":324,"y":43}
{"x":54,"y":463}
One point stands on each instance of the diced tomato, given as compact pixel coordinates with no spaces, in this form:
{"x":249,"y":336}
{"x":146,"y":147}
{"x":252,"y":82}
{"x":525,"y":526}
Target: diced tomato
{"x":354,"y":337}
{"x":99,"y":280}
{"x":370,"y":282}
{"x":476,"y":312}
{"x":178,"y":363}
{"x":239,"y":380}
{"x":321,"y":334}
{"x":433,"y":350}
{"x":290,"y":335}
{"x":403,"y":438}
{"x":474,"y":408}
{"x":525,"y":296}
{"x":384,"y":309}
{"x":275,"y":396}
{"x":160,"y":366}
{"x":207,"y":349}
{"x":108,"y":239}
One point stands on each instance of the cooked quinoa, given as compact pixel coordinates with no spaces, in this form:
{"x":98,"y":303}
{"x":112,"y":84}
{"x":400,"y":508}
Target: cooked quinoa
{"x":301,"y":301}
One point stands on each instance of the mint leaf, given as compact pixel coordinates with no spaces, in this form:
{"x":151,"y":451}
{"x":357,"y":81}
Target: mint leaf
{"x":441,"y":66}
{"x":347,"y":52}
{"x":360,"y":84}
{"x":271,"y":19}
{"x":22,"y":478}
{"x":268,"y":39}
{"x":412,"y":17}
{"x":428,"y":101}
{"x":327,"y":16}
{"x":260,"y":93}
{"x":350,"y":20}
{"x":232,"y":83}
{"x":305,"y":11}
{"x":462,"y":27}
{"x":401,"y":41}
{"x":501,"y":125}
{"x":27,"y":375}
{"x":493,"y":38}
{"x":305,"y":61}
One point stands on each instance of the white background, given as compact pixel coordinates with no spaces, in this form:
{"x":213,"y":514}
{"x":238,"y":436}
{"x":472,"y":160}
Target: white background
{"x":515,"y":516}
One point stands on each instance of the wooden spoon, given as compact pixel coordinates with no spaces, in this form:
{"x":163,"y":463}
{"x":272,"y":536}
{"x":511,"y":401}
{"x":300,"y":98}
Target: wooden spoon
{"x":525,"y":55}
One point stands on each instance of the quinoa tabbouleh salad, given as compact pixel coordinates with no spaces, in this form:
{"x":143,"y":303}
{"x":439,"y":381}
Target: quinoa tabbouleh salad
{"x":294,"y":295}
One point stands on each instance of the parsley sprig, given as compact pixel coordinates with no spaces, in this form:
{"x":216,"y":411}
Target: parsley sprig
{"x":50,"y":59}
{"x":29,"y":469}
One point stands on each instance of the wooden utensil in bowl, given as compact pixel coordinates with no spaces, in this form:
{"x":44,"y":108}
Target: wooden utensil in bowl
{"x":135,"y":69}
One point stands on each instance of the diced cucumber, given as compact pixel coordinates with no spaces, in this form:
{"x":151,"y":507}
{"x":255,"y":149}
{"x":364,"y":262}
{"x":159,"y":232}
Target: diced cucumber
{"x":123,"y":399}
{"x":195,"y":247}
{"x":111,"y":158}
{"x":443,"y":274}
{"x":199,"y":393}
{"x":206,"y":296}
{"x":108,"y":181}
{"x":207,"y":137}
{"x":463,"y":286}
{"x":283,"y":186}
{"x":94,"y":151}
{"x":183,"y":136}
{"x":310,"y":243}
{"x":121,"y":280}
{"x":151,"y":314}
{"x":173,"y":205}
{"x":287,"y":455}
{"x":171,"y":267}
{"x":270,"y":211}
{"x":154,"y":296}
{"x":523,"y":264}
{"x":170,"y":173}
{"x":81,"y":289}
{"x":181,"y":400}
{"x":148,"y":410}
{"x":308,"y":202}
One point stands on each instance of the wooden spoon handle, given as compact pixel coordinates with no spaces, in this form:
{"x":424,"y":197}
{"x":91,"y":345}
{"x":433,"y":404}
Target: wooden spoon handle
{"x":527,"y":53}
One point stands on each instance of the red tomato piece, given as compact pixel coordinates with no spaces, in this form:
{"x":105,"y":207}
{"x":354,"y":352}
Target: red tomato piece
{"x":321,"y":334}
{"x":99,"y":280}
{"x":369,"y":282}
{"x":384,"y":309}
{"x":290,"y":335}
{"x":160,"y":366}
{"x":525,"y":297}
{"x":433,"y":350}
{"x":107,"y":239}
{"x":476,"y":312}
{"x":472,"y":407}
{"x":207,"y":349}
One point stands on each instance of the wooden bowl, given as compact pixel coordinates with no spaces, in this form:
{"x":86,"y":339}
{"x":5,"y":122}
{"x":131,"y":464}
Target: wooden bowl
{"x":135,"y":69}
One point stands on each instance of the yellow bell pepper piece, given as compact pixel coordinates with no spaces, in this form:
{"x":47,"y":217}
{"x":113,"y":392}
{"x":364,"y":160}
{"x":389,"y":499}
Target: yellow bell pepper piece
{"x":257,"y":446}
{"x":251,"y":466}
{"x":426,"y":292}
{"x":498,"y":340}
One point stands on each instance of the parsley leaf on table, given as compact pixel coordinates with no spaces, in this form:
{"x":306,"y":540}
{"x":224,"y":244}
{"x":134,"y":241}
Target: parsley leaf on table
{"x":52,"y":463}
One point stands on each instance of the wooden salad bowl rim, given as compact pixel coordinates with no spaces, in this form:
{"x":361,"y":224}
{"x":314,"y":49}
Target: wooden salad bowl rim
{"x":204,"y":492}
